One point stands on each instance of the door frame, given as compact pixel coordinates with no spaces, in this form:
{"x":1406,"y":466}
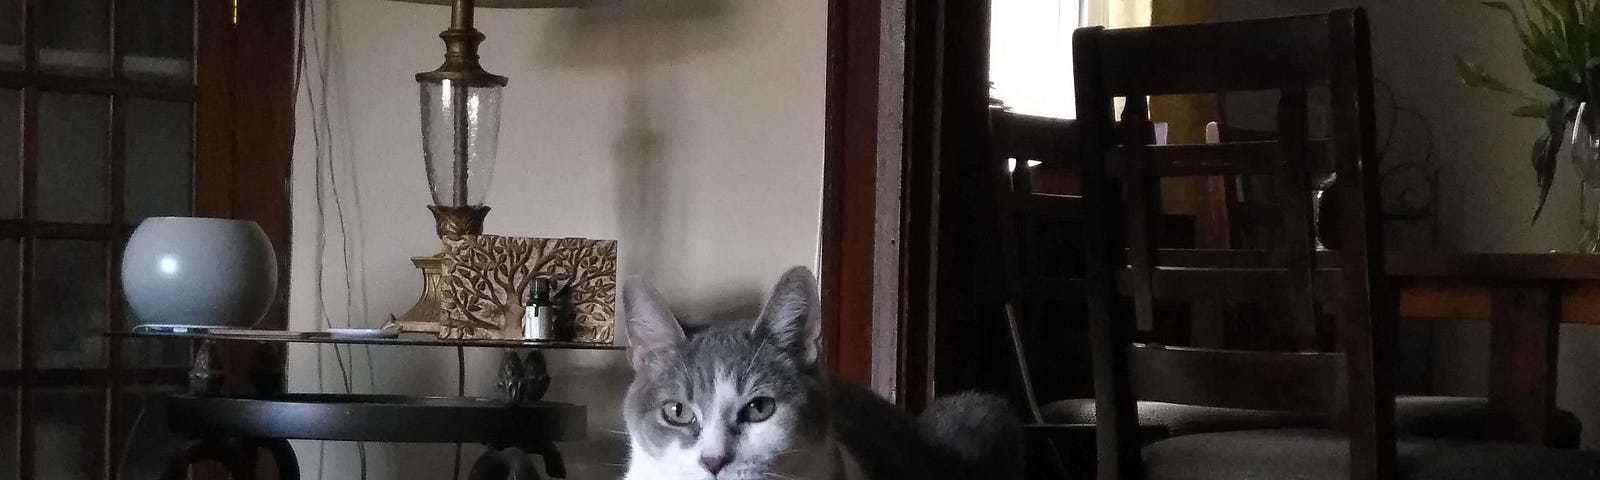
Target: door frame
{"x":904,"y":229}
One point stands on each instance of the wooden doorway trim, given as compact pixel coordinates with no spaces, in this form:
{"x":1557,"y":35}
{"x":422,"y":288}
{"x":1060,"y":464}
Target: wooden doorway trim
{"x":860,"y":257}
{"x":902,"y":223}
{"x":245,"y":120}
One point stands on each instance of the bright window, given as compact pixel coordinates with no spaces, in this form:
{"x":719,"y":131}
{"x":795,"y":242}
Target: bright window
{"x":1030,"y":55}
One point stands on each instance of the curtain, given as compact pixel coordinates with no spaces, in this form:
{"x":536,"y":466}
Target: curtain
{"x":1117,"y":13}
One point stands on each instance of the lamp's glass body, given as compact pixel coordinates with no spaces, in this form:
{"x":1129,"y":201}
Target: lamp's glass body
{"x":460,"y":132}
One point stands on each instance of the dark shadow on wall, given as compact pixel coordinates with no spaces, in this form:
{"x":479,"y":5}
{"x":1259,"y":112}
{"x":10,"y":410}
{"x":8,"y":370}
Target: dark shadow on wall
{"x":646,"y":40}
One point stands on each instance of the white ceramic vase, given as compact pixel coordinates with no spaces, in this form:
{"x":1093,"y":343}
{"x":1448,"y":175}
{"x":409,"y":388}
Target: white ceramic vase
{"x":199,"y":272}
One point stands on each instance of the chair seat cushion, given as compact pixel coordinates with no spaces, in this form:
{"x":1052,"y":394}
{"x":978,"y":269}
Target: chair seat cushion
{"x":1467,"y":418}
{"x":1423,"y":416}
{"x":1317,"y":454}
{"x":1505,"y":462}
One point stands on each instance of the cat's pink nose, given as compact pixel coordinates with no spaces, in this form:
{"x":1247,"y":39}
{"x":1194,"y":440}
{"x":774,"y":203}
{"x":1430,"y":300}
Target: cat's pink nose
{"x":713,"y":464}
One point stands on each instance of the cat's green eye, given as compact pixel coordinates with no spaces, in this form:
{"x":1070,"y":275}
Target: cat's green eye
{"x":759,"y":409}
{"x":677,"y":414}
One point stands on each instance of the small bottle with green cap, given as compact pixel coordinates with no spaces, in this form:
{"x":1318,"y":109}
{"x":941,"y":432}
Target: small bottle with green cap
{"x":538,"y":317}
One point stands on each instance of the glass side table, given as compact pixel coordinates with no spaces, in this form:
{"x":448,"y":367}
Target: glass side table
{"x":230,"y":428}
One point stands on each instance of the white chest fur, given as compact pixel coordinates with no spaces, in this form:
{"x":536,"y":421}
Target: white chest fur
{"x":832,"y":462}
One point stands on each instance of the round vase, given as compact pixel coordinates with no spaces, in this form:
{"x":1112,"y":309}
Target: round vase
{"x":199,"y":273}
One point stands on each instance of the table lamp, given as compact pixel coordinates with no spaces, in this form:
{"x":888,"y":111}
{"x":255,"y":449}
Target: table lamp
{"x":460,"y":131}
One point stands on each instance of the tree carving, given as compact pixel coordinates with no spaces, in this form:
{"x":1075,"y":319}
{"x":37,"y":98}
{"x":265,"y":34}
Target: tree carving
{"x":486,"y":280}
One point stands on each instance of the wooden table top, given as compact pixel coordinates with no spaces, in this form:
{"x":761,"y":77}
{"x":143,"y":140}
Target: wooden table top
{"x":1460,"y":285}
{"x":1533,"y":266}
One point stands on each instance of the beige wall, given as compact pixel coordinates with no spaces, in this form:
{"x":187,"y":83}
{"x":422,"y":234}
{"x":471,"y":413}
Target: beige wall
{"x":690,"y":130}
{"x":1487,"y":186}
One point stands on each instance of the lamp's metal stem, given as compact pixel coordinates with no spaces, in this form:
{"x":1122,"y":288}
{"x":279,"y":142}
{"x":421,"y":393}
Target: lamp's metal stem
{"x":466,"y":48}
{"x":462,"y":152}
{"x":461,"y":52}
{"x":461,"y":15}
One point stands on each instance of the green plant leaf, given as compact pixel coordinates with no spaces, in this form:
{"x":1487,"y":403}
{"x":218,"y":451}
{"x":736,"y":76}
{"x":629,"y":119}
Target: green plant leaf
{"x":1502,"y":6}
{"x":1543,"y":162}
{"x":1532,"y":110}
{"x":1542,"y":43}
{"x":1546,"y":149}
{"x":1473,"y":75}
{"x":1564,"y":83}
{"x":1547,"y":13}
{"x":1567,"y":11}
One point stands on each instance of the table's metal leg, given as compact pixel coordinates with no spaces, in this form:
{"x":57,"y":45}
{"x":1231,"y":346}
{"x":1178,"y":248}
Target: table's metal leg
{"x":266,"y":364}
{"x":239,"y":465}
{"x":504,"y":464}
{"x":205,"y":377}
{"x":283,"y":457}
{"x":523,"y":378}
{"x":554,"y":466}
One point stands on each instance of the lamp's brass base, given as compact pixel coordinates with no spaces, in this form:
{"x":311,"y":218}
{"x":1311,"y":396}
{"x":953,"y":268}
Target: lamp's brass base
{"x":427,"y":314}
{"x":458,"y":221}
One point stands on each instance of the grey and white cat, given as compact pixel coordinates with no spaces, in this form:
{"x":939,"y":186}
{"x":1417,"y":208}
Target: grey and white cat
{"x":746,"y":400}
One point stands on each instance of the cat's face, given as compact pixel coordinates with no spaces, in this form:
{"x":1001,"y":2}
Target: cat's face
{"x":737,"y":400}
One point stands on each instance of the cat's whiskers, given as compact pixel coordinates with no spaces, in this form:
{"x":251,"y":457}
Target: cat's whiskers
{"x":786,"y":452}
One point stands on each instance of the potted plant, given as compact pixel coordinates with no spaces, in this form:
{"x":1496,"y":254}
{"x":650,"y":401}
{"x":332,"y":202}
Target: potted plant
{"x":1560,"y":42}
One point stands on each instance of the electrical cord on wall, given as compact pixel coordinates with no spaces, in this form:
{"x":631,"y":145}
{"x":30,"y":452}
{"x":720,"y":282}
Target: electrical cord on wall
{"x":133,"y":428}
{"x":461,"y":391}
{"x":325,"y":180}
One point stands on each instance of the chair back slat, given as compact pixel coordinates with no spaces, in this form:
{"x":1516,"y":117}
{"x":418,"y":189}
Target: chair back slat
{"x":1229,"y":258}
{"x":1043,"y":204}
{"x":1143,"y":196}
{"x":1232,"y":285}
{"x":1301,"y":382}
{"x":1241,"y":158}
{"x":1265,"y":54}
{"x":1051,"y":141}
{"x":1294,"y":191}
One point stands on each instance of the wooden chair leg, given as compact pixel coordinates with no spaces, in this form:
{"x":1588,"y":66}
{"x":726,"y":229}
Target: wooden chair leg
{"x":1051,"y":454}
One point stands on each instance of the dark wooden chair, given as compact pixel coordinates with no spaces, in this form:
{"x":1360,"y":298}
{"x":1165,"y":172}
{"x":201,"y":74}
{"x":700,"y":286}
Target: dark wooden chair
{"x":1034,"y":160}
{"x":1127,"y":272}
{"x":1024,"y":216}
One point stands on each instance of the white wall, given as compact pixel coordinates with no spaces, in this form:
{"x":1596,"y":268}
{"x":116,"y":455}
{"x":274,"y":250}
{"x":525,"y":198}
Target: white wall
{"x":690,"y":130}
{"x":1487,"y":186}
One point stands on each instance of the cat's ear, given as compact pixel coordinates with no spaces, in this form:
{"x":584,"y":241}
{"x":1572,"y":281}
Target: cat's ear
{"x":792,"y":318}
{"x":652,"y":329}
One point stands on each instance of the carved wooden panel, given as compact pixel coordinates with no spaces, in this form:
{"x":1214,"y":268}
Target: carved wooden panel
{"x":486,"y":280}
